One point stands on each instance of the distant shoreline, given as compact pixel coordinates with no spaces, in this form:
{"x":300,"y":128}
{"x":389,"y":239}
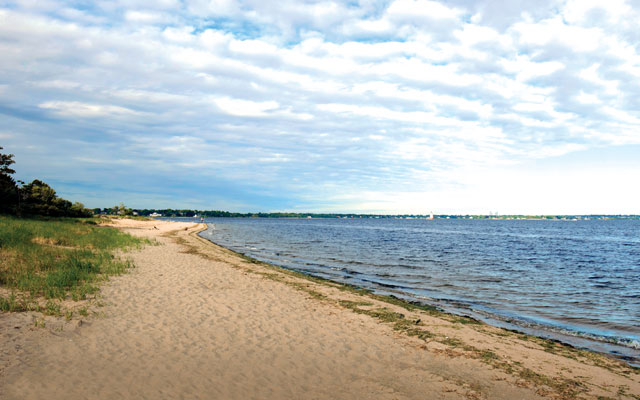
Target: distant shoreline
{"x":194,"y":213}
{"x":585,"y":217}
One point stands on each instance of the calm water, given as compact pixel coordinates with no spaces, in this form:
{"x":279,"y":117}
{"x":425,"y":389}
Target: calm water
{"x":577,"y":281}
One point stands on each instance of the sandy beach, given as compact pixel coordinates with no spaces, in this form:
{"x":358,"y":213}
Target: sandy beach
{"x":193,"y":320}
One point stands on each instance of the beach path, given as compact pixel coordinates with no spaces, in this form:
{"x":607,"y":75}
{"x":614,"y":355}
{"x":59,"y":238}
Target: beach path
{"x":181,"y":325}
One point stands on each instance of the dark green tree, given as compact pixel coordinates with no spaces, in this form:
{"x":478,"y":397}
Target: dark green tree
{"x":38,"y":198}
{"x":35,"y":198}
{"x":8,"y":186}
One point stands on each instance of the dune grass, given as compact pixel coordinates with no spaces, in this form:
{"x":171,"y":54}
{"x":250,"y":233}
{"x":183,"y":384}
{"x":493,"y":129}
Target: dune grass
{"x":57,"y":258}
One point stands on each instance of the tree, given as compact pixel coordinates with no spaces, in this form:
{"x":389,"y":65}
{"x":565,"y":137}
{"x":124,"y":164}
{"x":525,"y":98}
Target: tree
{"x":121,"y":210}
{"x":5,"y":161}
{"x":35,"y":198}
{"x":38,"y":198}
{"x":8,"y":186}
{"x":77,"y":210}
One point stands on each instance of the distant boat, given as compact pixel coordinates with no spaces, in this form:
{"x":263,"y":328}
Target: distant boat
{"x":155,"y":214}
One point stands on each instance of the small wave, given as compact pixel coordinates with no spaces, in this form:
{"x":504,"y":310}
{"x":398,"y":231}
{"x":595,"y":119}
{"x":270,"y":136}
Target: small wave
{"x":566,"y":331}
{"x":616,"y":340}
{"x":607,"y":285}
{"x":634,"y":344}
{"x":383,"y":284}
{"x":351,"y":272}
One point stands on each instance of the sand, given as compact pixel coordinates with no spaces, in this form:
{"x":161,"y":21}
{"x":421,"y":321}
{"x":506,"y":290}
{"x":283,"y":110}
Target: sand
{"x":196,"y":321}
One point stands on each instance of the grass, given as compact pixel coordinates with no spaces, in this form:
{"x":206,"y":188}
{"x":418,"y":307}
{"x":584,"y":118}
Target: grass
{"x":56,"y":259}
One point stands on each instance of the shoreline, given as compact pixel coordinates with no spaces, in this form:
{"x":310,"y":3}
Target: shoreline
{"x":611,"y":343}
{"x":568,"y":338}
{"x":440,"y":312}
{"x":194,"y":319}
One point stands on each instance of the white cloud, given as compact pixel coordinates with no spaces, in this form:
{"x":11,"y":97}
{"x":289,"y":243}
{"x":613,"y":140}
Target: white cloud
{"x":526,"y":69}
{"x":378,"y":26}
{"x":591,"y":74}
{"x":252,"y":47}
{"x":381,"y":113}
{"x":326,"y":94}
{"x":180,"y":35}
{"x":473,"y":34}
{"x":209,"y":8}
{"x":419,"y":71}
{"x":78,"y":109}
{"x":578,"y":11}
{"x":245,"y":108}
{"x":145,"y":17}
{"x":555,"y":31}
{"x":587,"y":98}
{"x":421,"y":9}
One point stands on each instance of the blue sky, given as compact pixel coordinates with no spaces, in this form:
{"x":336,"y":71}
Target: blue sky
{"x":402,"y":106}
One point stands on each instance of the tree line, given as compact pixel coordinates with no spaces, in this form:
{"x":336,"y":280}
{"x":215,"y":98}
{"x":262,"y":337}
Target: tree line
{"x":170,"y":212}
{"x":33,"y":198}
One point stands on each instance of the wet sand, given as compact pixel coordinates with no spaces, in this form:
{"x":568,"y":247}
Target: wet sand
{"x":193,"y":320}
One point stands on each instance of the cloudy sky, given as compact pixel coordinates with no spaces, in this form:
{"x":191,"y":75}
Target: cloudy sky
{"x":400,"y":106}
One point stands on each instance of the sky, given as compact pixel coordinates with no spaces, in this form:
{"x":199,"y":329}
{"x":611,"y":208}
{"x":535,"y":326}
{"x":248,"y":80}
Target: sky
{"x":392,"y":107}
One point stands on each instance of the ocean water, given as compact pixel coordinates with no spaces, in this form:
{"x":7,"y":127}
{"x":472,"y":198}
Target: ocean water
{"x":575,"y":281}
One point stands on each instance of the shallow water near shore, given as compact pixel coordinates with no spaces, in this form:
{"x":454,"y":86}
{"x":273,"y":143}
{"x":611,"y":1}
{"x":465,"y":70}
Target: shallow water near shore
{"x":576,"y":281}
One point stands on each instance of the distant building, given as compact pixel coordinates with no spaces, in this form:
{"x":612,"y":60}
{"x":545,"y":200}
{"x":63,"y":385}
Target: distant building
{"x":155,"y":214}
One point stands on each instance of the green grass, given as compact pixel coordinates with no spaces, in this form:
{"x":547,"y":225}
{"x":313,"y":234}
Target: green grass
{"x":57,"y":258}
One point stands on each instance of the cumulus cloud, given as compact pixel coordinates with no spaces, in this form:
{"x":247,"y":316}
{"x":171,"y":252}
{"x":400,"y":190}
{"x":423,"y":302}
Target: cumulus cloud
{"x":262,"y":105}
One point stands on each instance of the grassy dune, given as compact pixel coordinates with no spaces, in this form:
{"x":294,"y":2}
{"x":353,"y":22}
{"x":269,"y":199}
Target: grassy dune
{"x":56,"y":259}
